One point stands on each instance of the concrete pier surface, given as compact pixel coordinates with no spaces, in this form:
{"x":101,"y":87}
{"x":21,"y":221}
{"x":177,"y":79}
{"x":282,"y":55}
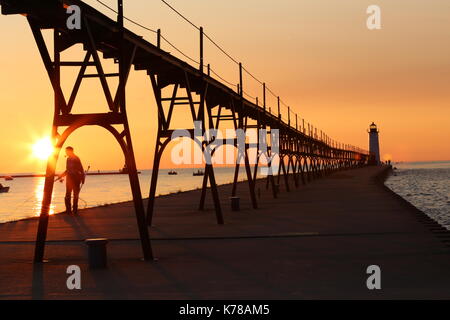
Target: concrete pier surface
{"x":314,"y":242}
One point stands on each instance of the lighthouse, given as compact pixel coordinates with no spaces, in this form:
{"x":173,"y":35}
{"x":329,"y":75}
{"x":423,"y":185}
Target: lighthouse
{"x":374,"y":146}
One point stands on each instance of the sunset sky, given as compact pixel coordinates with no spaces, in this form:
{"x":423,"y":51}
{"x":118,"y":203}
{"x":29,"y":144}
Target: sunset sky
{"x":318,"y":55}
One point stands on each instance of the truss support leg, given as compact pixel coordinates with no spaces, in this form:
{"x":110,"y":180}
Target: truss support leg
{"x":294,"y":172}
{"x":201,"y":206}
{"x":209,"y":174}
{"x":279,"y":170}
{"x":285,"y":175}
{"x":235,"y":180}
{"x":251,"y":183}
{"x":154,"y":183}
{"x":215,"y":194}
{"x":271,"y":180}
{"x":45,"y":209}
{"x":137,"y":198}
{"x":302,"y":171}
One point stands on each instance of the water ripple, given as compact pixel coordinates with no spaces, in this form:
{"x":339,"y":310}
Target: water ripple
{"x":425,"y":188}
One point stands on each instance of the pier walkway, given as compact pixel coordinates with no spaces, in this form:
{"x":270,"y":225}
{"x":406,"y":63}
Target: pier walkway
{"x":313,"y":242}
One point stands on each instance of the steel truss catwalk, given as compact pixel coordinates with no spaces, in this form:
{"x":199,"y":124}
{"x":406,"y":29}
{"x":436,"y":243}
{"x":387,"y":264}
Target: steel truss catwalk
{"x":303,"y":155}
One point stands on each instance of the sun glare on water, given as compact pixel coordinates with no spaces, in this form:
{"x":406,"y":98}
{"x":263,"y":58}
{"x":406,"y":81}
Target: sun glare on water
{"x":42,"y":148}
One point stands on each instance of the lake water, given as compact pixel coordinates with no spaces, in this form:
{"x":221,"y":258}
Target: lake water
{"x":426,"y":185}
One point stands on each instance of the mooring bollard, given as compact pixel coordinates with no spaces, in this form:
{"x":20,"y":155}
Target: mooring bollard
{"x":97,"y":253}
{"x":235,"y":203}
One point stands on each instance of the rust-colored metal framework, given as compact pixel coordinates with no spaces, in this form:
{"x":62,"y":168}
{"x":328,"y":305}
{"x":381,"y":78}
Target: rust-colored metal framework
{"x":304,"y":155}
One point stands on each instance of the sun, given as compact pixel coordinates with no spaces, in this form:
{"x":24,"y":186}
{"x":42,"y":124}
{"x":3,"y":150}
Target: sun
{"x":42,"y":148}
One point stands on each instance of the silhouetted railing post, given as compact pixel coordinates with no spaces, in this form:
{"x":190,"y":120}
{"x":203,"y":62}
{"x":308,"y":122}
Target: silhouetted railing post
{"x":279,"y":109}
{"x":289,"y":116}
{"x":264,"y":96}
{"x":120,"y":13}
{"x":122,"y":53}
{"x":209,"y":69}
{"x":201,"y":50}
{"x":158,"y":38}
{"x":241,"y":88}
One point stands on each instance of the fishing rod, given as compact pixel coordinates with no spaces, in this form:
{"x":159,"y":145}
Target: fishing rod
{"x":85,"y":174}
{"x":60,"y":179}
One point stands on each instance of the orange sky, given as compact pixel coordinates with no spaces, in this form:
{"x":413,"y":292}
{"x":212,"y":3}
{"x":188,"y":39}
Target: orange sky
{"x":317,"y":55}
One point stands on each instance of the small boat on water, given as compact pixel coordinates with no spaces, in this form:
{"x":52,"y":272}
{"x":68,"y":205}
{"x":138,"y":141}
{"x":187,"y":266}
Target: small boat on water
{"x":172,"y":173}
{"x":8,"y":178}
{"x":3,"y":189}
{"x":199,"y":173}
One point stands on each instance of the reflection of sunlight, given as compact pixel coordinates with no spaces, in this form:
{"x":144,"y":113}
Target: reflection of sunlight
{"x":38,"y":195}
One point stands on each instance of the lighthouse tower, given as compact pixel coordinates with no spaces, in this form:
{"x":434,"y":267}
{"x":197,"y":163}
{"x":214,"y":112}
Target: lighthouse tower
{"x":374,"y":146}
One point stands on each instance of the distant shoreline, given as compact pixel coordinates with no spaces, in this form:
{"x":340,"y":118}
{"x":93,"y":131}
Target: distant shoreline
{"x":97,"y":172}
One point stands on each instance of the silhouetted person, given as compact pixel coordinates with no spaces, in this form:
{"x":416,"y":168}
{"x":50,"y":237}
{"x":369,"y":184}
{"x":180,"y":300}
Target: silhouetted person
{"x":75,"y":177}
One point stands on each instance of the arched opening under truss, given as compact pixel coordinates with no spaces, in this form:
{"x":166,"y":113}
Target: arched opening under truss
{"x":188,"y":152}
{"x":59,"y":141}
